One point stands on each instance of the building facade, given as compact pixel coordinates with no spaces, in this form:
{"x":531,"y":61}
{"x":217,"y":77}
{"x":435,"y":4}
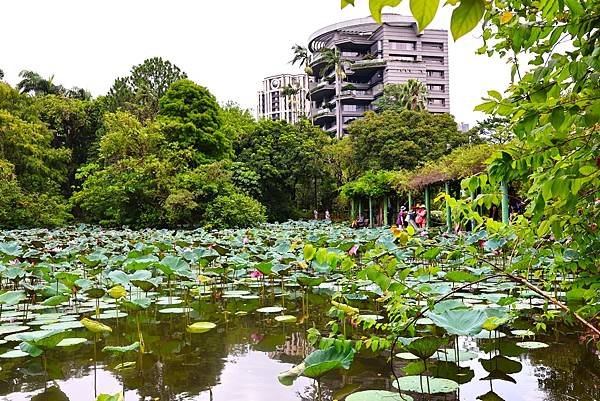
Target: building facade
{"x":284,"y":97}
{"x":373,"y":56}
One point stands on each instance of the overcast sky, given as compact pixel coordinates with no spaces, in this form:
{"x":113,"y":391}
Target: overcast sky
{"x":225,"y":45}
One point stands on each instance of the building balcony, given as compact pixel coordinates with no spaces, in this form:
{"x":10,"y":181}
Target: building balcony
{"x":321,"y":116}
{"x":321,"y":90}
{"x":369,"y":64}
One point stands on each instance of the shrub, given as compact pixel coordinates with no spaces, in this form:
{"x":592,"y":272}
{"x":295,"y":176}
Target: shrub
{"x":235,"y":210}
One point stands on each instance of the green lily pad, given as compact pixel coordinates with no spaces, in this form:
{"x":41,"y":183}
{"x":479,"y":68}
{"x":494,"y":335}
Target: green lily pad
{"x":271,"y":309}
{"x":378,"y":395}
{"x":286,"y":319}
{"x":461,"y":322}
{"x":122,"y":349}
{"x":8,"y":329}
{"x":425,"y":347}
{"x":450,"y":355}
{"x":532,"y":345}
{"x":69,"y":342}
{"x":523,"y":333}
{"x":436,"y":385}
{"x":15,"y":353}
{"x":489,"y":335}
{"x":200,"y":327}
{"x":62,"y":326}
{"x":175,"y":311}
{"x":406,"y":355}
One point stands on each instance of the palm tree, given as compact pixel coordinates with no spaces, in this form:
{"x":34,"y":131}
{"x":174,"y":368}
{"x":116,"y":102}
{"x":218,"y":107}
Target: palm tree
{"x":334,"y":62}
{"x":289,"y":92}
{"x":415,"y":95}
{"x":302,"y":58}
{"x":32,"y":82}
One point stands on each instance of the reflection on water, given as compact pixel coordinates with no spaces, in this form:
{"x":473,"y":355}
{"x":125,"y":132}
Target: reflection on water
{"x":240,"y":360}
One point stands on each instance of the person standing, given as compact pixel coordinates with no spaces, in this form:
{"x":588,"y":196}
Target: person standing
{"x":327,"y":215}
{"x":421,"y":219}
{"x":401,"y":219}
{"x":316,"y":214}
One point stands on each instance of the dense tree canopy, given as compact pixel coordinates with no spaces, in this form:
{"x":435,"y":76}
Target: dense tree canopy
{"x":140,"y":91}
{"x":190,"y":117}
{"x":402,"y":140}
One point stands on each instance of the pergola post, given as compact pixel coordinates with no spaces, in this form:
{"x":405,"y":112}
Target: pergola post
{"x":385,"y":210}
{"x":352,"y":215}
{"x":409,"y":200}
{"x":370,"y":212}
{"x":427,"y":205}
{"x":448,"y":209}
{"x":360,"y":206}
{"x":505,"y":207}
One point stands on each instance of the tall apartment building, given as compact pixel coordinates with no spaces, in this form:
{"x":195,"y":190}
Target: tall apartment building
{"x":284,"y":97}
{"x":376,"y":55}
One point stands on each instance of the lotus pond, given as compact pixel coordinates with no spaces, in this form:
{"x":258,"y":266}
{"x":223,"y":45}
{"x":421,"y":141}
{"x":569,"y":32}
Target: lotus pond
{"x":294,"y":311}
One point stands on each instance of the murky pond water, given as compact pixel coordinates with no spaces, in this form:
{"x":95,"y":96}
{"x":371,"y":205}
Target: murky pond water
{"x":241,"y":358}
{"x":171,"y":279}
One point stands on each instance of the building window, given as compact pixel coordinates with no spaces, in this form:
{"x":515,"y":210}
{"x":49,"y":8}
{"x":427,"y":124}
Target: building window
{"x":432,"y":46}
{"x":437,"y":102}
{"x":435,"y":88}
{"x":403,"y":57}
{"x":435,"y":74}
{"x":350,"y":54}
{"x":433,"y":60}
{"x":402,"y":45}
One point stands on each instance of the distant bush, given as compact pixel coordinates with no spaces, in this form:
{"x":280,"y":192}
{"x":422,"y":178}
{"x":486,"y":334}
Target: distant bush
{"x":235,"y":210}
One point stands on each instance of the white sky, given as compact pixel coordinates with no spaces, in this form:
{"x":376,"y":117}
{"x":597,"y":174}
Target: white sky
{"x":225,"y":45}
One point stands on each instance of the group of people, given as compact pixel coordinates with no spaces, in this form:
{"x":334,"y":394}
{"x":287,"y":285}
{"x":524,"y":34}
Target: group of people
{"x":327,"y":214}
{"x":415,"y":217}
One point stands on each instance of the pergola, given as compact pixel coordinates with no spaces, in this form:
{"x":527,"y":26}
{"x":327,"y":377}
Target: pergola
{"x":462,"y":163}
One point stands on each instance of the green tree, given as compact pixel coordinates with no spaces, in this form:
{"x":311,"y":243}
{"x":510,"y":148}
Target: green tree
{"x":236,"y":122}
{"x":1,"y":74}
{"x":235,"y":210}
{"x":402,"y":140}
{"x":302,"y":58}
{"x":411,"y":95}
{"x":74,"y":123}
{"x":334,"y":62}
{"x":140,"y":92}
{"x":289,"y":161}
{"x":33,"y":83}
{"x":190,"y":116}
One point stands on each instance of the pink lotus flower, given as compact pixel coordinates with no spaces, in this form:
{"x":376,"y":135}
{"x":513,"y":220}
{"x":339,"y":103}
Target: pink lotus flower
{"x":14,"y":262}
{"x":256,"y":274}
{"x":352,"y":251}
{"x":256,"y":337}
{"x":245,"y":240}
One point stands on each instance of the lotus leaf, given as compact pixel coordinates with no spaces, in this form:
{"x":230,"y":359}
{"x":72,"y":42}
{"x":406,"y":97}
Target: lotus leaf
{"x":200,"y":327}
{"x":425,"y":347}
{"x":95,"y":327}
{"x":321,"y":362}
{"x":122,"y":349}
{"x":420,"y":385}
{"x":271,"y":309}
{"x":286,"y":319}
{"x":12,"y":297}
{"x":461,"y":322}
{"x":378,"y":395}
{"x":502,"y":364}
{"x":347,"y":309}
{"x":69,"y":342}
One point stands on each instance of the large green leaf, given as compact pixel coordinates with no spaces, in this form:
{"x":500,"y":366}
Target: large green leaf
{"x":321,"y":362}
{"x":12,"y":297}
{"x":425,"y":347}
{"x":431,"y":385}
{"x":122,"y":349}
{"x":461,"y":322}
{"x":466,"y":16}
{"x":424,"y":11}
{"x":377,"y":5}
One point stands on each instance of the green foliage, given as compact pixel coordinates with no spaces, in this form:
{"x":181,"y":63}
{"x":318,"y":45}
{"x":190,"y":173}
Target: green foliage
{"x":411,"y":95}
{"x":235,"y":210}
{"x":189,"y":116}
{"x":139,"y":92}
{"x":288,"y":160}
{"x":401,"y":140}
